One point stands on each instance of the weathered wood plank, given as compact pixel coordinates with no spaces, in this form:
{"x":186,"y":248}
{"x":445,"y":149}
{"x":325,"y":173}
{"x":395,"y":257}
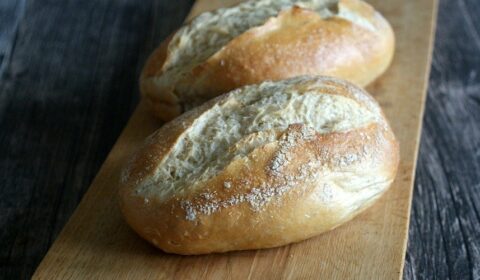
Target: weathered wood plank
{"x":68,"y":88}
{"x":444,"y":240}
{"x":11,"y":13}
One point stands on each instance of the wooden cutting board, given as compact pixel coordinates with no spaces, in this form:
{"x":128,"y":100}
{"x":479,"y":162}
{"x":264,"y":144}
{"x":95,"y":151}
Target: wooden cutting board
{"x":97,"y":244}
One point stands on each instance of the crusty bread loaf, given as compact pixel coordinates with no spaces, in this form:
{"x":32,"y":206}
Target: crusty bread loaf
{"x":266,"y":40}
{"x":262,"y":166}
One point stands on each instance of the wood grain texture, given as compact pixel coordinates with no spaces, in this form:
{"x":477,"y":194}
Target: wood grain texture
{"x":96,"y":243}
{"x":445,"y":220}
{"x":67,"y":88}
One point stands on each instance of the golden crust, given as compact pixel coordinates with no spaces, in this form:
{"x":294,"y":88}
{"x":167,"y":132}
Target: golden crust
{"x":165,"y":105}
{"x":296,"y":42}
{"x":249,"y":205}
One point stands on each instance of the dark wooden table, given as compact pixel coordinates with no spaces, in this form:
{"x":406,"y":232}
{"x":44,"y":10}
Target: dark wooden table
{"x":68,"y":84}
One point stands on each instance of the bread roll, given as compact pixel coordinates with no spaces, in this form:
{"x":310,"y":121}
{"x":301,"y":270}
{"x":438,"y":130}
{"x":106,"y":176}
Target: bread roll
{"x":262,"y":166}
{"x":265,"y":40}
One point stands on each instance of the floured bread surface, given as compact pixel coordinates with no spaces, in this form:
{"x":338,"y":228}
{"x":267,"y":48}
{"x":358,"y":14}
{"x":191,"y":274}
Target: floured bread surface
{"x":210,"y":31}
{"x":251,"y":117}
{"x":181,"y":73}
{"x":262,"y":161}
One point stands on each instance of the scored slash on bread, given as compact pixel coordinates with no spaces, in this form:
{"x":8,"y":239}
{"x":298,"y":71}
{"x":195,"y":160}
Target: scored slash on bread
{"x":262,"y":166}
{"x":265,"y":40}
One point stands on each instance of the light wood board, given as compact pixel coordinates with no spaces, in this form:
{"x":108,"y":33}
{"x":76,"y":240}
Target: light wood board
{"x":97,"y":244}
